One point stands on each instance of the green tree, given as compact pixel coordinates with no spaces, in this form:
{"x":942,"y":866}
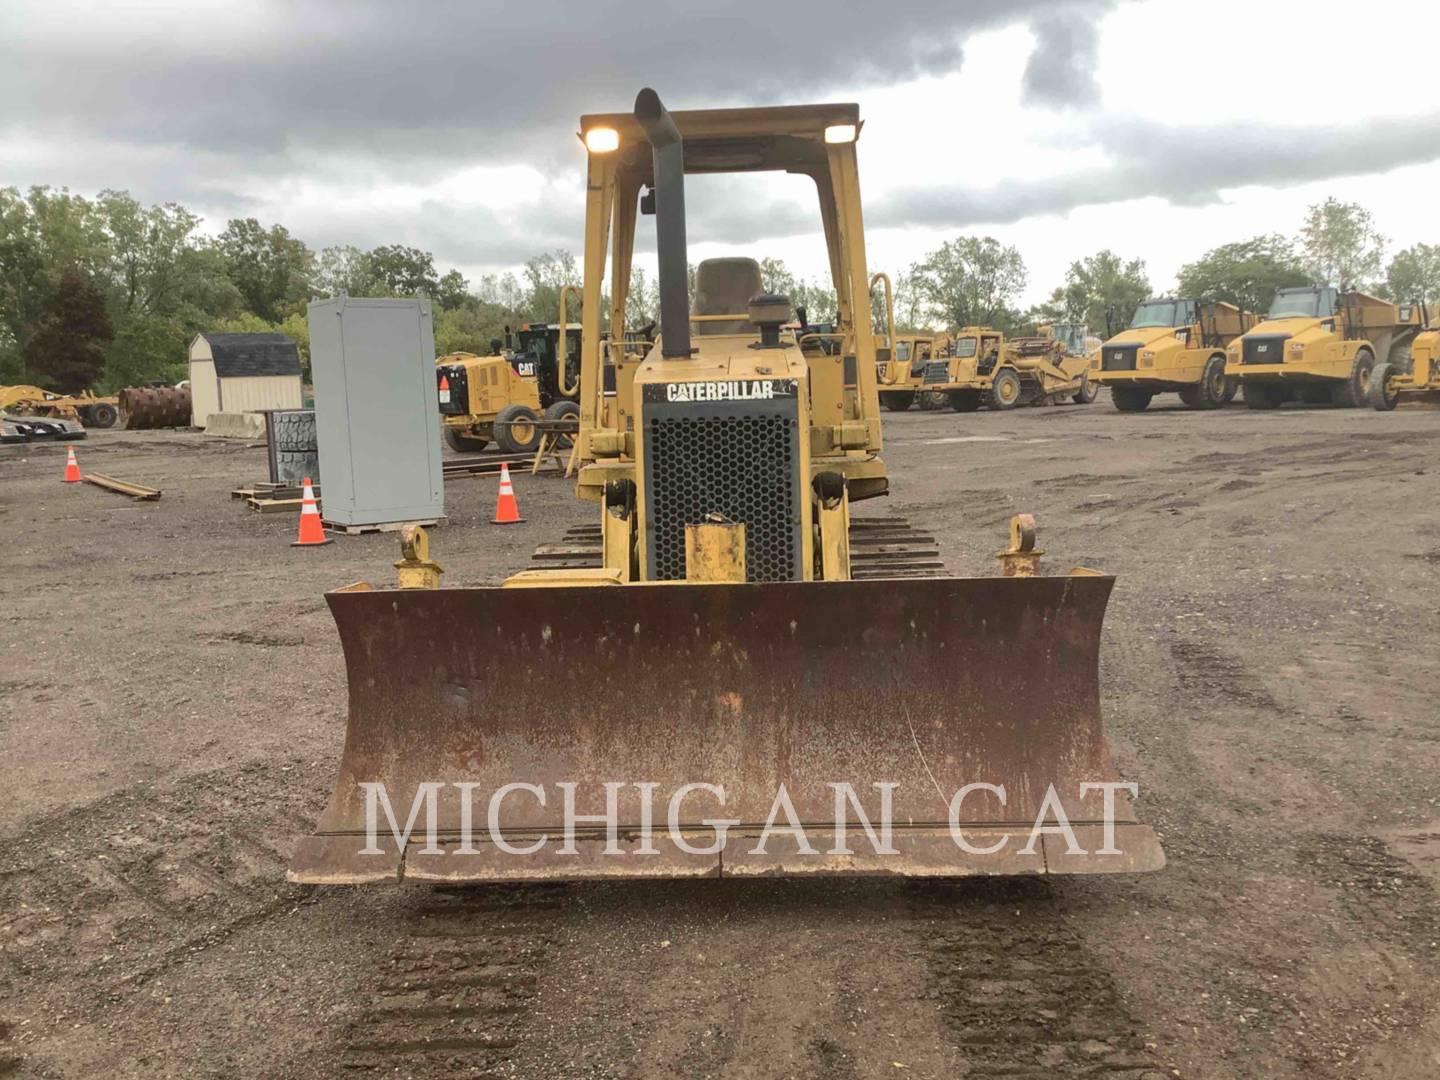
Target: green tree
{"x":269,"y":267}
{"x":502,"y":290}
{"x":817,"y":300}
{"x":67,"y":350}
{"x":969,"y":281}
{"x":1099,"y":291}
{"x":1245,"y":273}
{"x":148,"y":348}
{"x":470,"y":328}
{"x":398,"y":270}
{"x":43,"y":235}
{"x":642,"y":300}
{"x":1414,"y":274}
{"x":343,"y":270}
{"x":452,"y":291}
{"x":544,"y":274}
{"x":1340,"y":244}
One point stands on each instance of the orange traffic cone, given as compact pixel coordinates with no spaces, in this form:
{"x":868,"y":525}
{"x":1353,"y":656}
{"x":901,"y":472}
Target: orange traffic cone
{"x":312,"y":531}
{"x":444,"y":390}
{"x":72,"y":467}
{"x":507,"y":510}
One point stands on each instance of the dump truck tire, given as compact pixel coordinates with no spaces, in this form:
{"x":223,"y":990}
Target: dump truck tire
{"x":515,"y":429}
{"x":1353,"y":392}
{"x":564,"y":409}
{"x":102,"y":415}
{"x":1191,"y":397}
{"x":1086,"y":394}
{"x":1382,"y":398}
{"x":1129,"y":399}
{"x":1232,"y":387}
{"x":964,"y":400}
{"x":1005,"y":391}
{"x":1263,"y":395}
{"x":464,"y":444}
{"x":1210,"y":393}
{"x":897,"y":400}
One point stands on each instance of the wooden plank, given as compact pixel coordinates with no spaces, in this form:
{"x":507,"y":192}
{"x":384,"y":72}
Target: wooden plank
{"x":122,"y":487}
{"x":276,"y":506}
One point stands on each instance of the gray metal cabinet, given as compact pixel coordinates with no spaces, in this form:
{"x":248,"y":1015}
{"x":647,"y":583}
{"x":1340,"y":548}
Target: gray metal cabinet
{"x":376,"y":420}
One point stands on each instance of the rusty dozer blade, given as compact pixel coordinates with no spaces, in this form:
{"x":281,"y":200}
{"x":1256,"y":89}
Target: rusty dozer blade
{"x":927,"y":685}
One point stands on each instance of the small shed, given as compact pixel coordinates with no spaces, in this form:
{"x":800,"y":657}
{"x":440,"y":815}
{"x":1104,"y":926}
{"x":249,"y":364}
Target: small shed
{"x":242,"y":373}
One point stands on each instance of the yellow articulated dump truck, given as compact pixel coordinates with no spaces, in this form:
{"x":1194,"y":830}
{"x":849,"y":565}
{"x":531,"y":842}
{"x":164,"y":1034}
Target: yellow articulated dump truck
{"x":724,"y":671}
{"x":1172,"y":346}
{"x":1320,"y":346}
{"x":1417,"y":374}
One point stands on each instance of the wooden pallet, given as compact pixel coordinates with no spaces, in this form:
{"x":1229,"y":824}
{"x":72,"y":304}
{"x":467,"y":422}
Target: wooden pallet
{"x":277,"y":506}
{"x":382,"y":527}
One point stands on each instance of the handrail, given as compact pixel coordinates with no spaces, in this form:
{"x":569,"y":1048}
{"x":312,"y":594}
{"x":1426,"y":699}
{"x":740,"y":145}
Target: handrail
{"x":881,"y":276}
{"x":562,"y":354}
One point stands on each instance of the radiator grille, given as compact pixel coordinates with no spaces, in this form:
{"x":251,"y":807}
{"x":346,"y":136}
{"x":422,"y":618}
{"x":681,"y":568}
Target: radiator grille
{"x":702,"y":460}
{"x":937,"y":371}
{"x":1265,"y":350}
{"x":1118,"y":357}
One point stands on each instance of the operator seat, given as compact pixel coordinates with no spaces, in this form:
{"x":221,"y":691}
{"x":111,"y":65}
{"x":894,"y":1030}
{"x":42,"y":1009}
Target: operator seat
{"x":724,"y":287}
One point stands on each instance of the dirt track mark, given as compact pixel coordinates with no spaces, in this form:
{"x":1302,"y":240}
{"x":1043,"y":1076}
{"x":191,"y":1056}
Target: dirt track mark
{"x":250,"y":637}
{"x":1390,"y":898}
{"x":116,"y":892}
{"x":457,"y":986}
{"x":1203,"y":670}
{"x":1019,"y":989}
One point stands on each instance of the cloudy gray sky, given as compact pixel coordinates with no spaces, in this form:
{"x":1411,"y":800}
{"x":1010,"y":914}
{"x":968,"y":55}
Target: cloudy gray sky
{"x":1158,"y":128}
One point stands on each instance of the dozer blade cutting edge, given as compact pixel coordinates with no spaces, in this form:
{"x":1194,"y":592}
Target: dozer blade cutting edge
{"x":927,"y":685}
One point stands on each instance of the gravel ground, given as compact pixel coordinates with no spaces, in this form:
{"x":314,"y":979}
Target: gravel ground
{"x":172,"y":706}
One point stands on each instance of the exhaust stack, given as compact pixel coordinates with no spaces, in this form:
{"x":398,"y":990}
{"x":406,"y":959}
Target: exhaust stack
{"x":669,"y":156}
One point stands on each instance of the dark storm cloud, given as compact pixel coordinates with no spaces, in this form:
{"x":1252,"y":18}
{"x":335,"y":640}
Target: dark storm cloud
{"x":210,"y":105}
{"x":1061,"y":70}
{"x":1184,"y":165}
{"x":478,"y":82}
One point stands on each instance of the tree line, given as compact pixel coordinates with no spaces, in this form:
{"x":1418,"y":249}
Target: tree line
{"x":107,"y":292}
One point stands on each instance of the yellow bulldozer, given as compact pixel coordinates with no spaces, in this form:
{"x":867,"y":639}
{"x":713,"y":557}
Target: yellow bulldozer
{"x":1172,"y":346}
{"x":725,"y":653}
{"x":1416,"y":374}
{"x":1320,"y":345}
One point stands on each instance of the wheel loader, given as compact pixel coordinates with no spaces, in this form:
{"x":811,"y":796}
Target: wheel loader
{"x":725,"y":655}
{"x":1172,"y":346}
{"x":1416,"y":374}
{"x":1320,"y":345}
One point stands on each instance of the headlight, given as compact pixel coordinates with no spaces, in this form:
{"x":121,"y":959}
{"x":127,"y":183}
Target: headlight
{"x":840,"y":133}
{"x":1147,"y":355}
{"x":602,"y":140}
{"x":1297,"y":346}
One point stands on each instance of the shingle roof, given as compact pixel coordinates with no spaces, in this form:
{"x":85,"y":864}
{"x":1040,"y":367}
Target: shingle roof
{"x":240,"y":355}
